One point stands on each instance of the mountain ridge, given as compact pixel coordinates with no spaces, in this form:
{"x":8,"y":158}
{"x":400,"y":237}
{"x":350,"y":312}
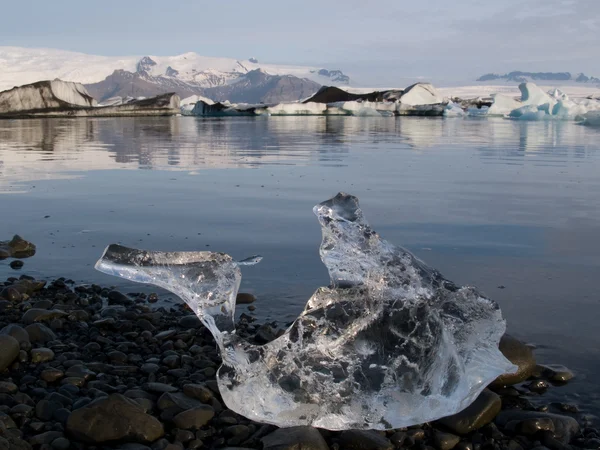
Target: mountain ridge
{"x":27,"y":65}
{"x":518,"y":76}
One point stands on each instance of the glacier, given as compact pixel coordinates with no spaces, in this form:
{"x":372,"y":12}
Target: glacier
{"x":389,"y":343}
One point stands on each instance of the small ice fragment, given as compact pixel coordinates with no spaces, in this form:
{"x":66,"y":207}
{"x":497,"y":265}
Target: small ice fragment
{"x":250,"y":261}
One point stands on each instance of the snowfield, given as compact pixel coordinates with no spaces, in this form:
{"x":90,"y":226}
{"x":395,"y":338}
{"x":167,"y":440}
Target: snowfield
{"x":19,"y":66}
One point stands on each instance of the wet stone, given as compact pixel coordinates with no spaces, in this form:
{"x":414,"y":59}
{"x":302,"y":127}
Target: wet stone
{"x":113,"y":418}
{"x":243,"y":298}
{"x":17,"y":332}
{"x":194,"y":419}
{"x":159,"y":387}
{"x":554,"y":372}
{"x":364,"y":440}
{"x":9,"y":351}
{"x":445,"y":441}
{"x":16,"y":264}
{"x":481,"y":412}
{"x":40,"y":355}
{"x":6,"y":387}
{"x":564,"y":427}
{"x":198,"y":392}
{"x":39,"y":333}
{"x":520,"y":355}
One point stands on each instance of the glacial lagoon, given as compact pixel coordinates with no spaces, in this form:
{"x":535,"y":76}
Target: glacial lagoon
{"x":508,"y":206}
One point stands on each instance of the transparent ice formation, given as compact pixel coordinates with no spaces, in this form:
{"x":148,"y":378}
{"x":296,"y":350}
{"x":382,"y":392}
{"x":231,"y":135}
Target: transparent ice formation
{"x":390,"y":343}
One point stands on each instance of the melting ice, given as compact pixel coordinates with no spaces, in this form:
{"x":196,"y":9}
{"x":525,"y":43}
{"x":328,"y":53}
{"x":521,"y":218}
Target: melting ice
{"x":390,"y":343}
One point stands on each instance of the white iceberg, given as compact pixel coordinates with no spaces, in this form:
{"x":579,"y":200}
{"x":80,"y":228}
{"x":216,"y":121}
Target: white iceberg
{"x":453,"y":110}
{"x":502,"y":105}
{"x":297,"y":109}
{"x":421,"y":94}
{"x":390,"y":343}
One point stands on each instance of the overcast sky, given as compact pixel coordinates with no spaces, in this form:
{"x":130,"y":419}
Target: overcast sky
{"x":375,"y":42}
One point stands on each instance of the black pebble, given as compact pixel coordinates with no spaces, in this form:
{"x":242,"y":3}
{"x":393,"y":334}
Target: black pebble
{"x":16,"y":264}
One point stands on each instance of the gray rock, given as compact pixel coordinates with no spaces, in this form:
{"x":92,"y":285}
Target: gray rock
{"x":481,"y":412}
{"x":159,"y":387}
{"x":45,"y":409}
{"x":532,"y":426}
{"x":445,"y":441}
{"x":199,"y":392}
{"x":163,"y":335}
{"x":564,"y":427}
{"x":113,"y":418}
{"x":194,"y":419}
{"x":9,"y":350}
{"x":244,"y":298}
{"x":364,"y":440}
{"x":39,"y":333}
{"x":40,"y":355}
{"x":295,"y":438}
{"x":45,"y":438}
{"x":117,"y":298}
{"x":520,"y":355}
{"x":179,"y":400}
{"x":190,"y":322}
{"x":149,"y":368}
{"x":61,"y":444}
{"x":51,"y":375}
{"x":42,"y":315}
{"x":6,"y":387}
{"x":17,"y":332}
{"x":554,"y":373}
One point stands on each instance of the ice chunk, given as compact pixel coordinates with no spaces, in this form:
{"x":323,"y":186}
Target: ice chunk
{"x":297,"y":109}
{"x":478,"y":112}
{"x":421,"y":94}
{"x":390,"y":343}
{"x":45,"y":95}
{"x":531,"y":94}
{"x":527,"y":112}
{"x":557,"y":94}
{"x":592,"y":119}
{"x":502,"y":105}
{"x":453,"y":110}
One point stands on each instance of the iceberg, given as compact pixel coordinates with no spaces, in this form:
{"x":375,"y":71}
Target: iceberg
{"x":65,"y":99}
{"x":421,"y":94}
{"x":453,"y":110}
{"x":297,"y":109}
{"x":502,"y":105}
{"x":389,"y":343}
{"x":531,"y":94}
{"x":536,"y":104}
{"x":55,"y":94}
{"x":592,"y":119}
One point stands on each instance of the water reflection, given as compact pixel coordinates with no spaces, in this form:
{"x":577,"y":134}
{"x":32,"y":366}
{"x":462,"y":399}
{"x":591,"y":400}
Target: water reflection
{"x":71,"y":145}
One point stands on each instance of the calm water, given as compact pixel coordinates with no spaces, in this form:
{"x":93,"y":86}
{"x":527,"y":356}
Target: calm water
{"x":487,"y":202}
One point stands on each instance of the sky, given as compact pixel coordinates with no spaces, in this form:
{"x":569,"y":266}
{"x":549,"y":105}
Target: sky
{"x":375,"y":42}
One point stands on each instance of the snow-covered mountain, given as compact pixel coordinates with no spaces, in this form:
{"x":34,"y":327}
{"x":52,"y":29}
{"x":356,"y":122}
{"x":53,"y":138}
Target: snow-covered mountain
{"x":20,"y":66}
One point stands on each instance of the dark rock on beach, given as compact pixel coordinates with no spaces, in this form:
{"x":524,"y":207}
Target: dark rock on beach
{"x":86,"y":367}
{"x":17,"y":247}
{"x":521,"y":356}
{"x":481,"y":412}
{"x":295,"y":438}
{"x":113,"y":418}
